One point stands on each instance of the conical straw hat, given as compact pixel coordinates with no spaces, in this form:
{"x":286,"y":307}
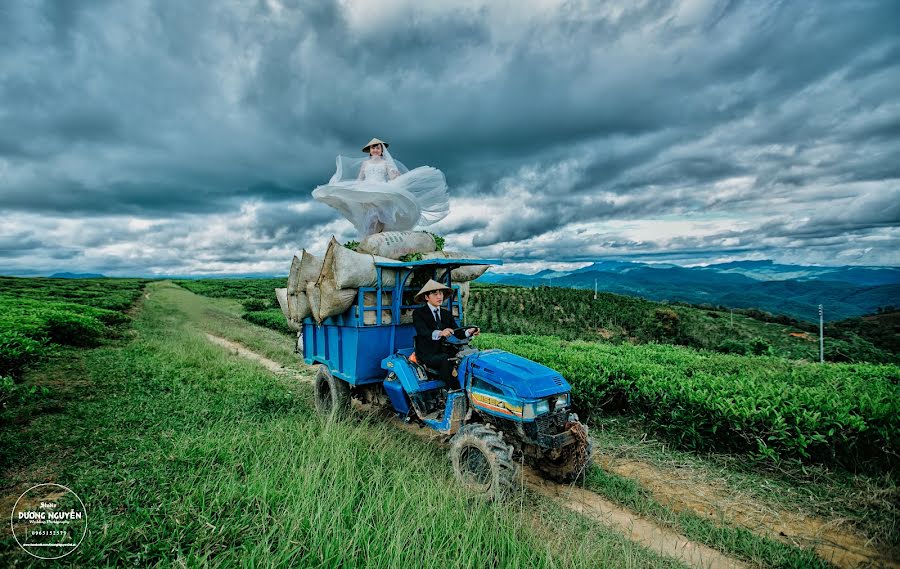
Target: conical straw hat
{"x":374,"y":141}
{"x":432,"y":285}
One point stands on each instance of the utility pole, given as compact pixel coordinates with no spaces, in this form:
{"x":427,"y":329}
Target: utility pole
{"x":821,"y":336}
{"x":595,"y":289}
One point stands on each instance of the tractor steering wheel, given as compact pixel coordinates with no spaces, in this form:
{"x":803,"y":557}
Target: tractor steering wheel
{"x":456,"y":341}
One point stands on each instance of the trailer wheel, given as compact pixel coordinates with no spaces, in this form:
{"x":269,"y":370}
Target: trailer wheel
{"x":332,"y":394}
{"x":574,"y":460}
{"x":482,"y":462}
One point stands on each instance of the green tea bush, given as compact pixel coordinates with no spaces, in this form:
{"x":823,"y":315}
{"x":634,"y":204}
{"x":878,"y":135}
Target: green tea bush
{"x":36,"y":312}
{"x":848,"y":414}
{"x":234,"y":288}
{"x":73,"y":329}
{"x":110,"y":294}
{"x":272,"y":318}
{"x":111,"y":317}
{"x":732,"y":347}
{"x":18,"y":350}
{"x":13,"y":394}
{"x":256,"y":304}
{"x":759,"y":347}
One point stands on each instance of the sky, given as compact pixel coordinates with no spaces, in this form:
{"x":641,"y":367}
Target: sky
{"x":154,"y":137}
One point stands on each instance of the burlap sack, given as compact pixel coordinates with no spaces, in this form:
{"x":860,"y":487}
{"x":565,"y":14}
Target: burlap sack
{"x":304,"y":269}
{"x":293,"y":281}
{"x":459,"y":274}
{"x":349,"y":269}
{"x":371,"y":299}
{"x":464,"y":295}
{"x":298,"y":306}
{"x":281,"y":295}
{"x":312,"y":297}
{"x":333,"y":300}
{"x":310,"y":268}
{"x":369,"y":318}
{"x":395,"y":244}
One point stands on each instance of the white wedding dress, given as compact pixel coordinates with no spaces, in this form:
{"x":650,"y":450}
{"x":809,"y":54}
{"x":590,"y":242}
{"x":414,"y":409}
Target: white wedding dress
{"x":379,"y":194}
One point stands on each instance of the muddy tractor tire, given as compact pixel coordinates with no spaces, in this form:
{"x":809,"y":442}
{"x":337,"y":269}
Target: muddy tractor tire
{"x":483,"y":462}
{"x":332,"y":394}
{"x":571,"y":462}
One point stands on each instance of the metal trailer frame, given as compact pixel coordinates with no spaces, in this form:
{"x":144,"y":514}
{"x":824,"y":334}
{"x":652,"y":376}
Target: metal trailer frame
{"x":353,"y":350}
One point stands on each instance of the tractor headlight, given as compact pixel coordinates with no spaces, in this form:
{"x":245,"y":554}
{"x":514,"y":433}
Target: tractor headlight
{"x":562,"y":400}
{"x":532,"y":410}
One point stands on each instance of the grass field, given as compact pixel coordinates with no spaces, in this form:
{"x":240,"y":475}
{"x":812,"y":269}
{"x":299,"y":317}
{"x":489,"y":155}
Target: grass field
{"x":186,"y":455}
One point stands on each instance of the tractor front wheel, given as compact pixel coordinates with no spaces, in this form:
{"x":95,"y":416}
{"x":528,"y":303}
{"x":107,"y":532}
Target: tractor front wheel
{"x":482,"y":462}
{"x":332,"y":394}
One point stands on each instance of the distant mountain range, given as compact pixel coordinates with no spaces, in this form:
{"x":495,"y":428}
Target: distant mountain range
{"x":77,"y":276}
{"x":794,"y":290}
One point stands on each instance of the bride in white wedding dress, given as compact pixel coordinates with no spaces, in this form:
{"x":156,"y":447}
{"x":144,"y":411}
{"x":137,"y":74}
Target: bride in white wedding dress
{"x":379,"y":194}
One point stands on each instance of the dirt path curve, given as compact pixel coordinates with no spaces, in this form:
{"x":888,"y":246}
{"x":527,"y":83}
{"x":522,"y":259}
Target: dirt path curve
{"x":267,"y":363}
{"x":680,"y":490}
{"x":651,"y":535}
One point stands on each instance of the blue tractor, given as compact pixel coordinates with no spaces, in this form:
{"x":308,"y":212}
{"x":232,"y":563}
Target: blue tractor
{"x":500,"y":410}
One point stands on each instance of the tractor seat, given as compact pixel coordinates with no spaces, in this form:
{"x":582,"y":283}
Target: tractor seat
{"x":429,"y":372}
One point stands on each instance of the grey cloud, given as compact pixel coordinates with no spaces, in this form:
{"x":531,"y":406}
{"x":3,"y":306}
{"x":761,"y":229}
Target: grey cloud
{"x":275,"y":220}
{"x":17,"y":244}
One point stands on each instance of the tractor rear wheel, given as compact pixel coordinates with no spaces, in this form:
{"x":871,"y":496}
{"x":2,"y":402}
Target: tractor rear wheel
{"x":482,"y":462}
{"x":573,"y":460}
{"x":332,"y":394}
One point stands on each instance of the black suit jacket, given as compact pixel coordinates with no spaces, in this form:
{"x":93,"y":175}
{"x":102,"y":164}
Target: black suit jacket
{"x":423,"y":320}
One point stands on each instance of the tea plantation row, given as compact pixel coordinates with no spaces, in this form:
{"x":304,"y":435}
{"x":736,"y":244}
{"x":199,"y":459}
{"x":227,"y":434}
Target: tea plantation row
{"x":847,"y":414}
{"x":38,"y":313}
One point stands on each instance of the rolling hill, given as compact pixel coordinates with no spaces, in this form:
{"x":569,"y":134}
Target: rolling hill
{"x":793,"y":290}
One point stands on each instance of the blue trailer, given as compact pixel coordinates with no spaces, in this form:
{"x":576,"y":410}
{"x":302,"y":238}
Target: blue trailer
{"x":500,"y":409}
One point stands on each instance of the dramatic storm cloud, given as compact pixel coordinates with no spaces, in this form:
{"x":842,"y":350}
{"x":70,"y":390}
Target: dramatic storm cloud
{"x":152,"y":137}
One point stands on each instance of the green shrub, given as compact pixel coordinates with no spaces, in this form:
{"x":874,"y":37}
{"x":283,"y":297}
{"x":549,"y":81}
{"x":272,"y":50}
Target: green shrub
{"x":272,"y":318}
{"x":759,"y":347}
{"x":13,"y":394}
{"x":233,"y":288}
{"x":732,"y":347}
{"x":666,"y":324}
{"x":18,"y":350}
{"x":111,"y":317}
{"x":256,"y":304}
{"x":73,"y":329}
{"x":438,"y":241}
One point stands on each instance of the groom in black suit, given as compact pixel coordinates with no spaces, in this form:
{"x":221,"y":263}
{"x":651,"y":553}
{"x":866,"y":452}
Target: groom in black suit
{"x":434,"y":323}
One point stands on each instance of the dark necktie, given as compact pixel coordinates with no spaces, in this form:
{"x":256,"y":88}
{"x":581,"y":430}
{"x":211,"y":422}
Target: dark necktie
{"x":437,"y":317}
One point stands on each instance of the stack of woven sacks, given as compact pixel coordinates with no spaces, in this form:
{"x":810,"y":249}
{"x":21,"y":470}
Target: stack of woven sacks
{"x":327,"y":286}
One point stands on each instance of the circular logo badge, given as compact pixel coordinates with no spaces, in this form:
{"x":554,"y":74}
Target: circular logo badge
{"x":49,"y":521}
